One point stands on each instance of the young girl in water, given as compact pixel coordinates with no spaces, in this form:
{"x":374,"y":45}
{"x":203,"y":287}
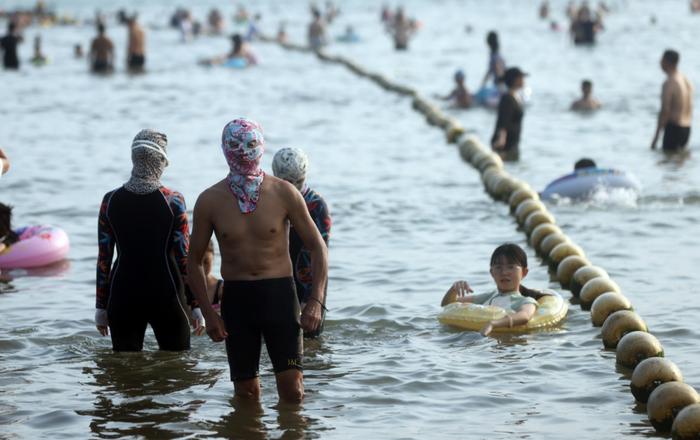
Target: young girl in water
{"x":508,"y":268}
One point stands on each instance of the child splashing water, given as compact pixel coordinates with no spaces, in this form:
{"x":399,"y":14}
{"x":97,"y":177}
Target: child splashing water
{"x":508,"y":268}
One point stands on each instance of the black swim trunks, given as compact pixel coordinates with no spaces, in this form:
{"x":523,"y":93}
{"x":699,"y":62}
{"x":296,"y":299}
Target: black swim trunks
{"x":136,"y":62}
{"x":262,"y":309}
{"x":101,"y":66}
{"x":675,"y":137}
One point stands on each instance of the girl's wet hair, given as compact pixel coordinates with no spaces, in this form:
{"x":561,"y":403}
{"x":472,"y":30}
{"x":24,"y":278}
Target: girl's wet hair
{"x":514,"y":254}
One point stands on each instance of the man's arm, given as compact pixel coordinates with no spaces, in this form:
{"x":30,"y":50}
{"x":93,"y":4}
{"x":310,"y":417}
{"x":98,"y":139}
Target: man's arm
{"x":202,"y":228}
{"x":311,"y":237}
{"x":666,"y":94}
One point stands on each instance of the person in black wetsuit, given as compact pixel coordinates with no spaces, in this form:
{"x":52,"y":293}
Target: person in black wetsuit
{"x":290,"y":164}
{"x":147,"y":222}
{"x":9,"y":43}
{"x":506,"y":136}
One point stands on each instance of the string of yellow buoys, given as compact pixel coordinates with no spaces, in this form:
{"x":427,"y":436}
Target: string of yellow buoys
{"x":672,"y":405}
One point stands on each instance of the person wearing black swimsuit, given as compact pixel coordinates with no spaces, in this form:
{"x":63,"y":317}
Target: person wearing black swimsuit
{"x":147,"y":223}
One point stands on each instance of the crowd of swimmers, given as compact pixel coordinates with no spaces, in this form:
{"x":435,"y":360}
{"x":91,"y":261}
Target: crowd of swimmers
{"x":273,"y":230}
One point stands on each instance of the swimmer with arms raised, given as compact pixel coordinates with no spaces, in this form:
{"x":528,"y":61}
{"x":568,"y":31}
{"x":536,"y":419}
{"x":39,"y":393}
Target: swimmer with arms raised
{"x":250,"y":212}
{"x":676,"y":111}
{"x":508,"y":268}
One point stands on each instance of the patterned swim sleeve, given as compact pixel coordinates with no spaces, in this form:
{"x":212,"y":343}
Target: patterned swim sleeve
{"x":181,"y":235}
{"x":320,"y":214}
{"x":105,"y":244}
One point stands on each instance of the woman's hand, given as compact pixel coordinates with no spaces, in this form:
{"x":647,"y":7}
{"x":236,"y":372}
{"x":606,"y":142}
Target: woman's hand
{"x":487,"y":329}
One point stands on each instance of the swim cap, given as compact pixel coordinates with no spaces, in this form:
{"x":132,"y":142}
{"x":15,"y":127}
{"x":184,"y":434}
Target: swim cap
{"x":243,"y":145}
{"x":459,"y":75}
{"x":149,"y":158}
{"x":290,"y":164}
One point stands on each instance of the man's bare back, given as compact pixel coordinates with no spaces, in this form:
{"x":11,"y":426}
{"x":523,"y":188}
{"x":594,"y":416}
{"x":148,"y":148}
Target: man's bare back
{"x":102,"y":49}
{"x":254,"y":245}
{"x":677,"y":95}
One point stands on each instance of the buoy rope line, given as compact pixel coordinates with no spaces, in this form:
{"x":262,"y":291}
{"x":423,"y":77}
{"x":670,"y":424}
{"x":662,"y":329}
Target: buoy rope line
{"x":655,"y":381}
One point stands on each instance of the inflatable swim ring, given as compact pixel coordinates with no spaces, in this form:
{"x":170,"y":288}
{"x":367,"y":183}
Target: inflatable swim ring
{"x":236,"y":63}
{"x":583,"y":183}
{"x":551,"y":311}
{"x":488,"y":96}
{"x":37,"y":246}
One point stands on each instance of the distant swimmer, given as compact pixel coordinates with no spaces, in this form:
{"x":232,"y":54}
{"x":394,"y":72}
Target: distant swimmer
{"x":39,"y":59}
{"x":460,"y":95}
{"x":215,"y":20}
{"x":584,"y":163}
{"x":238,"y":56}
{"x":282,"y":33}
{"x":585,"y":26}
{"x":102,"y":52}
{"x":8,"y":43}
{"x":695,"y":6}
{"x":136,"y":46}
{"x":506,"y":136}
{"x":250,"y":212}
{"x":290,"y":164}
{"x":508,"y":268}
{"x":587,"y":102}
{"x":78,"y":51}
{"x":317,"y":31}
{"x":497,"y":65}
{"x":544,"y":10}
{"x":676,"y":114}
{"x":350,"y":36}
{"x":147,"y":224}
{"x":401,"y":29}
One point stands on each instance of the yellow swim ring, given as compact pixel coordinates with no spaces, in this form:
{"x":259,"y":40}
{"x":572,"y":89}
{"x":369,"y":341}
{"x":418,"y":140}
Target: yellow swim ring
{"x":551,"y":311}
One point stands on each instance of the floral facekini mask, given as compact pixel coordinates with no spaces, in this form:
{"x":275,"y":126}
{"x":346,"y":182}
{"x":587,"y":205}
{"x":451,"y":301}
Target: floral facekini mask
{"x":243,"y":145}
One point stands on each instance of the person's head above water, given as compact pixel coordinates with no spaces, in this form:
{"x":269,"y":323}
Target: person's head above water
{"x":291,"y":164}
{"x":149,"y":157}
{"x":492,"y":41}
{"x":11,"y":26}
{"x":508,"y":267}
{"x":243,"y":144}
{"x":669,"y":60}
{"x":584,"y":163}
{"x":586,"y":87}
{"x":100,"y":28}
{"x":513,"y":77}
{"x":459,"y":76}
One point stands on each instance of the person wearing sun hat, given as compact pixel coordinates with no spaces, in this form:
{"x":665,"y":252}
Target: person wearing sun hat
{"x":147,"y":223}
{"x":506,"y":136}
{"x":250,"y":212}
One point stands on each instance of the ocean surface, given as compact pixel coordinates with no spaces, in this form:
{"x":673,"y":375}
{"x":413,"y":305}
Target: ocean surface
{"x":409,"y":218}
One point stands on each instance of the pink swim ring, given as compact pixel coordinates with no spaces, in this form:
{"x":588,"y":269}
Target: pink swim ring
{"x":37,"y":246}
